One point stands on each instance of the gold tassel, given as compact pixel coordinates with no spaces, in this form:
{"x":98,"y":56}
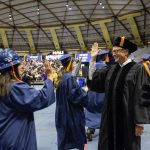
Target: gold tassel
{"x":122,"y":41}
{"x":147,"y":68}
{"x":69,"y":66}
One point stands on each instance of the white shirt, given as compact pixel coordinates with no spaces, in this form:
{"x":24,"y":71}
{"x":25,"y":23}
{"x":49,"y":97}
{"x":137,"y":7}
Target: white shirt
{"x":126,"y":62}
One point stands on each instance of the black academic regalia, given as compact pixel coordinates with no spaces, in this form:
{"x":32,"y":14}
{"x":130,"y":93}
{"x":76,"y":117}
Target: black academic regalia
{"x":127,"y":89}
{"x":70,"y":119}
{"x":17,"y":128}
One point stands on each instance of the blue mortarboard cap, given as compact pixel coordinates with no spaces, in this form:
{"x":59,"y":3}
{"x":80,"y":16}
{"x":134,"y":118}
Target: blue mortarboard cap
{"x":7,"y":56}
{"x":101,"y":55}
{"x":103,"y":52}
{"x":146,"y":56}
{"x":65,"y":59}
{"x":100,"y":65}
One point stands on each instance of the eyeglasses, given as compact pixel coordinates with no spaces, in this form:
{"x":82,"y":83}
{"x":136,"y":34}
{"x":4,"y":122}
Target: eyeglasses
{"x":117,"y":51}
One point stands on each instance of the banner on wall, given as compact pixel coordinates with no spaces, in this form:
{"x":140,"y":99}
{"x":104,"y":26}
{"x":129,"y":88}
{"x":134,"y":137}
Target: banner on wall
{"x":33,"y":57}
{"x":58,"y":52}
{"x":85,"y":57}
{"x":53,"y":57}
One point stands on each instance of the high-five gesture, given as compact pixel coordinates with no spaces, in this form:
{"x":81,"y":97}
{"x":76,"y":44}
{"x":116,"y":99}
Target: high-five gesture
{"x":48,"y":69}
{"x":94,"y":50}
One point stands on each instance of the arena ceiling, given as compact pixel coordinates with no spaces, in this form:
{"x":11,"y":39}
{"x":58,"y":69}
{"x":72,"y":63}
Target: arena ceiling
{"x":44,"y":25}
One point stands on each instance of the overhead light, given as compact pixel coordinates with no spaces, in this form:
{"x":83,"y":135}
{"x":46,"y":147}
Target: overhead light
{"x":103,"y":7}
{"x":67,"y":5}
{"x":10,"y":18}
{"x":70,"y":8}
{"x":9,"y":15}
{"x":100,"y":3}
{"x":38,"y":11}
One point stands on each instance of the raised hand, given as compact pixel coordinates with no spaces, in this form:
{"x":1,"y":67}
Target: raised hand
{"x":94,"y":50}
{"x":48,"y":69}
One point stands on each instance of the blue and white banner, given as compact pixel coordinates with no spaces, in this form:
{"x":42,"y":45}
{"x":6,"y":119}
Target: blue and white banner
{"x":85,"y":57}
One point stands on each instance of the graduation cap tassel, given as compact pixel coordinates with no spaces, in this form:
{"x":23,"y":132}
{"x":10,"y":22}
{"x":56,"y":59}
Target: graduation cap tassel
{"x":68,"y":69}
{"x":147,"y":68}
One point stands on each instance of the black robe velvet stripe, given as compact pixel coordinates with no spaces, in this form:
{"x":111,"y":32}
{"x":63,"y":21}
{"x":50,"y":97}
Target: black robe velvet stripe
{"x":110,"y":108}
{"x":114,"y":112}
{"x":118,"y":106}
{"x":124,"y":105}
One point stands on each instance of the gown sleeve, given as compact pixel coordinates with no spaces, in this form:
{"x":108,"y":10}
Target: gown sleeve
{"x":142,"y":97}
{"x":76,"y":94}
{"x":95,"y":103}
{"x":92,"y":69}
{"x":27,"y":99}
{"x":98,"y":80}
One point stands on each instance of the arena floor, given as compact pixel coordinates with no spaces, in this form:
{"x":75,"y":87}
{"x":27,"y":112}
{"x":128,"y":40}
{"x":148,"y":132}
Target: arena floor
{"x":47,"y":137}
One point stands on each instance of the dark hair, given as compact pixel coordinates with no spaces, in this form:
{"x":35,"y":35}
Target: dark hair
{"x":7,"y":79}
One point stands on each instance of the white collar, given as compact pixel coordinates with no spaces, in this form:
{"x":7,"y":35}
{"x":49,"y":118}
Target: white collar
{"x":126,"y":62}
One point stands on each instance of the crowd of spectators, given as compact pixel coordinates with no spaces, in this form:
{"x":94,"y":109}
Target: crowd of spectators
{"x":34,"y":70}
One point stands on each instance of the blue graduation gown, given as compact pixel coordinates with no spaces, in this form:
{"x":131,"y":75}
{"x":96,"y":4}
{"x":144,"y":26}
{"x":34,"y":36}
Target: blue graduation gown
{"x":70,"y":119}
{"x":17,"y":128}
{"x":93,"y":113}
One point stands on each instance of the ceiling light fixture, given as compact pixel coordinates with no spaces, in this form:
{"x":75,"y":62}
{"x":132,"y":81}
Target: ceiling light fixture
{"x":100,"y":3}
{"x":103,"y":7}
{"x":38,"y":11}
{"x":70,"y":8}
{"x":67,"y":5}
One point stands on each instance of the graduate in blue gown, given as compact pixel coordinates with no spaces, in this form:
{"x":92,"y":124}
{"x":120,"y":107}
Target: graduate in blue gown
{"x":95,"y":103}
{"x":70,"y":101}
{"x":18,"y":101}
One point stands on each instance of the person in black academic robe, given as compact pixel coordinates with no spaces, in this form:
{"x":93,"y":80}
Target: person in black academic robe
{"x":70,"y":103}
{"x":18,"y":101}
{"x":127,"y":89}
